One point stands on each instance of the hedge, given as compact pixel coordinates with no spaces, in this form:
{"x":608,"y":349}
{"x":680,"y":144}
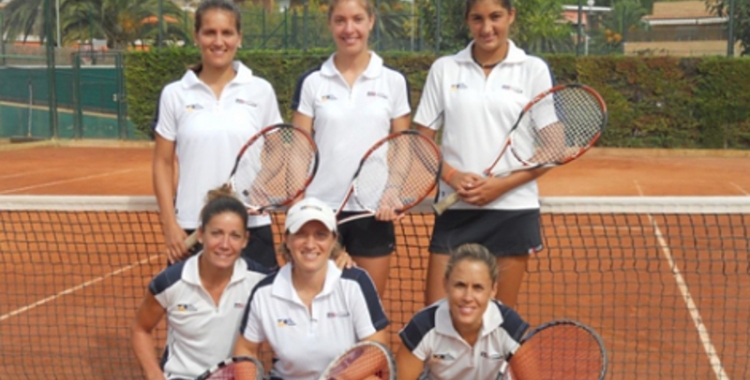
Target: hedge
{"x":664,"y":102}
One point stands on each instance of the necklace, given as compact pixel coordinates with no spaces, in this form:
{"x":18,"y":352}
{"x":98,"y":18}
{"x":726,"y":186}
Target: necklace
{"x":486,"y":66}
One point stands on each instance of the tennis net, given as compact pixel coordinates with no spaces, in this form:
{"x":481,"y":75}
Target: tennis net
{"x":665,"y":281}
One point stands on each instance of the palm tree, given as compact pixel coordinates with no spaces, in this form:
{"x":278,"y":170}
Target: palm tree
{"x":120,"y":22}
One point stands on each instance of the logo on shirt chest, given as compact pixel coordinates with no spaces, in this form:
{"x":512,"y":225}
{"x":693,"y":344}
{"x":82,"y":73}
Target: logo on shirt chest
{"x":284,"y":322}
{"x":375,"y":94}
{"x":239,"y":305}
{"x":490,"y":355}
{"x":459,"y":86}
{"x":246,"y":102}
{"x":328,"y":97}
{"x":442,"y":357}
{"x":508,"y":87}
{"x":193,"y":107}
{"x":185,"y":307}
{"x":340,"y":314}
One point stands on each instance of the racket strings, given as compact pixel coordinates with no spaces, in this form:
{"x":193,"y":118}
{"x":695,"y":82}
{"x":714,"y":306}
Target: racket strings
{"x":562,"y":125}
{"x":398,"y":174}
{"x":363,"y":362}
{"x":561,"y":352}
{"x":275,"y":168}
{"x":241,"y":370}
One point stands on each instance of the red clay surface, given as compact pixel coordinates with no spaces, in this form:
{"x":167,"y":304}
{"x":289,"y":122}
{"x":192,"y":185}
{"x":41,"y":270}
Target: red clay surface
{"x":609,"y":271}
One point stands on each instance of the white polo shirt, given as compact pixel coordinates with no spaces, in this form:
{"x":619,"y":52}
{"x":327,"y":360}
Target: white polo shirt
{"x":347,"y":121}
{"x":345,"y":312}
{"x":431,"y":337}
{"x":200,"y":333}
{"x":477,"y":112}
{"x":209,"y":132}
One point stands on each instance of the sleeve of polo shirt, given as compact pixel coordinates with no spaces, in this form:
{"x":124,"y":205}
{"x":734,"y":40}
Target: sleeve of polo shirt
{"x":271,"y":115}
{"x":544,"y":113}
{"x":368,"y":315}
{"x":166,"y":120}
{"x":431,"y":103}
{"x":303,"y":98}
{"x":515,"y":326}
{"x":252,"y":325}
{"x":412,"y":335}
{"x":400,"y":100}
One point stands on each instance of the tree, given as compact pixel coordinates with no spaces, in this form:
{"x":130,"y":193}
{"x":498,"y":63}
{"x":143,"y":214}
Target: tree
{"x":624,"y":18}
{"x":120,"y":22}
{"x":539,"y":29}
{"x":741,"y":19}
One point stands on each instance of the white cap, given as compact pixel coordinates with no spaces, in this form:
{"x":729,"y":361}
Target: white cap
{"x":306,"y":210}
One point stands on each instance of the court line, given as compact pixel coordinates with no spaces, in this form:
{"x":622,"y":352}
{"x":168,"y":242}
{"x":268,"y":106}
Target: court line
{"x":76,"y":288}
{"x":743,"y":191}
{"x":65,"y":181}
{"x":695,"y":314}
{"x":24,"y":173}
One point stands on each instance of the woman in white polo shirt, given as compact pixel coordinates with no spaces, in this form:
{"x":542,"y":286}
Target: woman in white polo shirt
{"x":310,"y":311}
{"x":203,"y":297}
{"x":476,"y":96}
{"x":467,"y":335}
{"x":203,"y":121}
{"x":350,"y":102}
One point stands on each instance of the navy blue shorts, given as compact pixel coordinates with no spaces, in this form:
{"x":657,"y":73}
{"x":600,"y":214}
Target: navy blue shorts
{"x":366,"y":237}
{"x":503,"y":232}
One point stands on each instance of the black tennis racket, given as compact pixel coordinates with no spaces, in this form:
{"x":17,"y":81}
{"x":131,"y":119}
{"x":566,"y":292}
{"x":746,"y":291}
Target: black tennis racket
{"x":559,"y":350}
{"x":273,"y":167}
{"x":556,"y":127}
{"x":364,"y":361}
{"x":397,"y":172}
{"x":236,"y":368}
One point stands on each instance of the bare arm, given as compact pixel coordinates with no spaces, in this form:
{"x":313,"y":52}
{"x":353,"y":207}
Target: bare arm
{"x":147,"y":317}
{"x":164,"y":189}
{"x":409,"y":366}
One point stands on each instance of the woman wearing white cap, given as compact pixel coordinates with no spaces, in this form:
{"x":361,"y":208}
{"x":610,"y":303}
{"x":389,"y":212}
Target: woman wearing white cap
{"x":310,"y":311}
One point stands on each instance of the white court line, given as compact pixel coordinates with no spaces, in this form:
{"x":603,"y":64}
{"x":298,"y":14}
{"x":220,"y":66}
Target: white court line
{"x":743,"y":191}
{"x":24,"y":173}
{"x":64,"y":181}
{"x":695,"y":314}
{"x":75,"y":288}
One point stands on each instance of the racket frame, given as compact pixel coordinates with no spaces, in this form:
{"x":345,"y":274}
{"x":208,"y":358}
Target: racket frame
{"x":565,"y":322}
{"x":453,"y":198}
{"x":380,"y":346}
{"x":191,"y":240}
{"x":232,"y":362}
{"x":375,"y":147}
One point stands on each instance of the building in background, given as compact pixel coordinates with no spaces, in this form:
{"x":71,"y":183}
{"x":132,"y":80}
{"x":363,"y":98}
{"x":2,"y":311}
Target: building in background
{"x":681,"y":28}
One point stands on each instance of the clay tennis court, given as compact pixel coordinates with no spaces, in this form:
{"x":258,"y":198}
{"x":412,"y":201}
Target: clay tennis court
{"x":69,"y":292}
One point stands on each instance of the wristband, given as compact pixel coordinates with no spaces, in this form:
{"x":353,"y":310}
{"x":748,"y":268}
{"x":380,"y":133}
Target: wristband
{"x":450,"y":175}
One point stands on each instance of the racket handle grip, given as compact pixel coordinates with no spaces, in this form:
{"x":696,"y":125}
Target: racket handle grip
{"x":191,"y":240}
{"x":446,"y":202}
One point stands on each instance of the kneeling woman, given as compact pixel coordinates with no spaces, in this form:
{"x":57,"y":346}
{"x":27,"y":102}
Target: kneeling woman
{"x":310,"y":311}
{"x":467,"y":335}
{"x":202,"y":297}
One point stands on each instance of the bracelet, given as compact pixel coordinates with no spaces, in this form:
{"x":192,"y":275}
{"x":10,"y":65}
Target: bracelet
{"x":450,"y":175}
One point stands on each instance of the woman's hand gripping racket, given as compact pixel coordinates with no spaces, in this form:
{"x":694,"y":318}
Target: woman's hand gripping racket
{"x":560,"y":350}
{"x":236,"y":368}
{"x":556,"y":127}
{"x":272,"y":169}
{"x":394,"y":175}
{"x":364,"y":361}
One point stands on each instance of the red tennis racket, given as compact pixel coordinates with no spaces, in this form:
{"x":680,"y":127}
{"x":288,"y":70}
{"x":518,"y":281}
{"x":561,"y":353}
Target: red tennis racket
{"x":364,"y":361}
{"x":556,"y":127}
{"x":397,"y":172}
{"x":273,"y":167}
{"x":236,"y":368}
{"x":560,"y":350}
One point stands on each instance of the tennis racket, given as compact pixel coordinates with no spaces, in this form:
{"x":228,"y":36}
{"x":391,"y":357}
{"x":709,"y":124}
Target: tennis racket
{"x":272,"y":169}
{"x":556,"y":127}
{"x":559,"y":350}
{"x":397,"y":172}
{"x":364,"y":361}
{"x":236,"y":368}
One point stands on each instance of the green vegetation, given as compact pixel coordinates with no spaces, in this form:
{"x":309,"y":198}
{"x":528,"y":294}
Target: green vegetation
{"x":661,"y":102}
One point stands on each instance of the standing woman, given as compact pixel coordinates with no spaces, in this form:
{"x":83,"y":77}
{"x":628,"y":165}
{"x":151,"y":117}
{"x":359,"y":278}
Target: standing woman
{"x":350,"y":102}
{"x":203,"y":297}
{"x":477,"y":94}
{"x":203,"y":121}
{"x":467,"y":335}
{"x":310,"y":311}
